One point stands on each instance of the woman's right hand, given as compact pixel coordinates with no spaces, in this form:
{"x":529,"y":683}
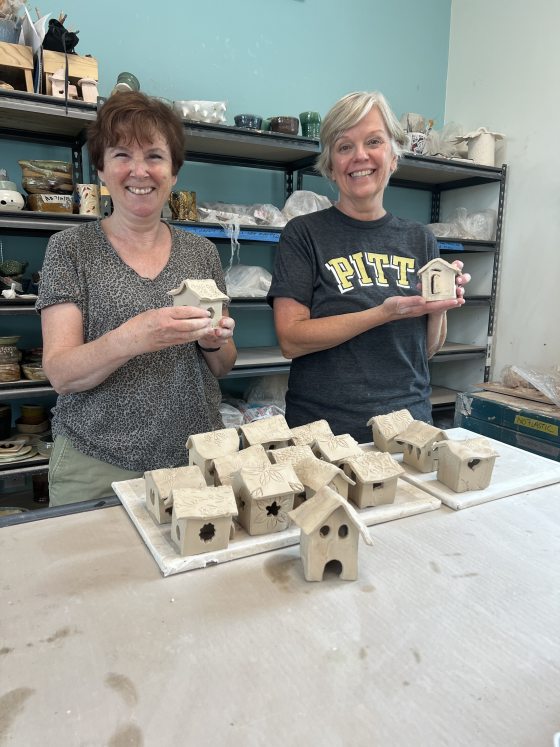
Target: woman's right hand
{"x":157,"y":329}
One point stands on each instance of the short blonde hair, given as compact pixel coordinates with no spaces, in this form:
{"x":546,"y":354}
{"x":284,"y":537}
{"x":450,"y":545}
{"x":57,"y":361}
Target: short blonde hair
{"x":346,"y":113}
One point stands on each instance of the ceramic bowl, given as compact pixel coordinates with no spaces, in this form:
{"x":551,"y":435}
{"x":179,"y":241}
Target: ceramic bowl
{"x":32,"y":429}
{"x":248,"y":121}
{"x":33,"y":371}
{"x":12,"y":340}
{"x":287,"y":125}
{"x":32,"y":414}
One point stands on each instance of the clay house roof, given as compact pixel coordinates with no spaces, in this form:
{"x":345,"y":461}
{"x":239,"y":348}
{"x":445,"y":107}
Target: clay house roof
{"x":392,"y":424}
{"x":205,"y":290}
{"x":335,"y":448}
{"x":261,"y":431}
{"x":313,"y":513}
{"x":168,"y":479}
{"x":306,"y":434}
{"x":204,"y":503}
{"x":439,"y":264}
{"x":372,"y":467}
{"x":314,"y":472}
{"x":291,"y":454}
{"x":276,"y":479}
{"x":472,"y":448}
{"x":420,"y":434}
{"x":215,"y":443}
{"x":253,"y":456}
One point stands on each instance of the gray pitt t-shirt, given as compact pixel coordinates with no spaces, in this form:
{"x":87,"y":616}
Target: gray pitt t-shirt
{"x":334,"y":265}
{"x":141,"y":416}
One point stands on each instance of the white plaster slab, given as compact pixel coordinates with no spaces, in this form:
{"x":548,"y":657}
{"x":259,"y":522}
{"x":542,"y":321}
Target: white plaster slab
{"x":410,"y":500}
{"x":514,"y":472}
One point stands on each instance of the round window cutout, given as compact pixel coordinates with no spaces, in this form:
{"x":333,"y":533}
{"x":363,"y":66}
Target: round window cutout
{"x":343,"y":530}
{"x":324,"y":530}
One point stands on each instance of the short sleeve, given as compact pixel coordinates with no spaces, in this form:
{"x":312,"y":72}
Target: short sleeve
{"x":294,"y":266}
{"x":59,"y":275}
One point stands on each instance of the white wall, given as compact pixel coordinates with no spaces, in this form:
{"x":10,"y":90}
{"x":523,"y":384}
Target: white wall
{"x":504,"y":61}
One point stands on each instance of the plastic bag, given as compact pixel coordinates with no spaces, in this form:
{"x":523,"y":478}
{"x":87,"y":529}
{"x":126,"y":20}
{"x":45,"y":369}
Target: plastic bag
{"x":544,"y":380}
{"x":268,"y":390}
{"x":480,"y":225}
{"x":246,"y":281}
{"x":249,"y":215}
{"x":444,"y":142}
{"x":302,"y":202}
{"x":231,"y":416}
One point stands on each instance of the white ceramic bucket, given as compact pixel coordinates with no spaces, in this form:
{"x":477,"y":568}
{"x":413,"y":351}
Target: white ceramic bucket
{"x":482,"y":149}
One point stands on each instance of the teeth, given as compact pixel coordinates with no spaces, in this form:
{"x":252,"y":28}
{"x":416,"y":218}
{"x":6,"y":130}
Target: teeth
{"x":140,"y":190}
{"x":362,"y":173}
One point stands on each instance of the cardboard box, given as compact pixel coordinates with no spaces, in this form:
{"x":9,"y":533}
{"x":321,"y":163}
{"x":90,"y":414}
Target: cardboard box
{"x":528,"y":425}
{"x":16,"y":66}
{"x":78,"y":67}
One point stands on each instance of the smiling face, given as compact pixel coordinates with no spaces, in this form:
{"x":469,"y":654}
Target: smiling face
{"x":362,"y":161}
{"x":139,"y":177}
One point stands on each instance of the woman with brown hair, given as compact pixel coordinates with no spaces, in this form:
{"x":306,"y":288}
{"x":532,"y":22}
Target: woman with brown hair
{"x":136,"y":376}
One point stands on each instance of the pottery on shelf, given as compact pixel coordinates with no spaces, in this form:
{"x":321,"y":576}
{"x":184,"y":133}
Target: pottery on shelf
{"x":10,"y":198}
{"x":212,"y":112}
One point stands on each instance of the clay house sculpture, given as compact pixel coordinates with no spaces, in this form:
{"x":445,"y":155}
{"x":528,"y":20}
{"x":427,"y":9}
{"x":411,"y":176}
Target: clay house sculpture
{"x":418,"y":445}
{"x":330,"y":530}
{"x":465,"y":465}
{"x":224,"y":467}
{"x":159,"y":486}
{"x":385,"y":429}
{"x":374,"y":479}
{"x":438,"y":280}
{"x":205,"y":447}
{"x":290,"y":454}
{"x":201,"y":519}
{"x":264,"y":497}
{"x":315,"y":474}
{"x":271,"y":433}
{"x":203,"y":294}
{"x":306,"y":434}
{"x":336,"y":449}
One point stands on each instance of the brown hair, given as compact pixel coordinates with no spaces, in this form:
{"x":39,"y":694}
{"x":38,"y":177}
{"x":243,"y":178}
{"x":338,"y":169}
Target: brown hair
{"x":132,"y":116}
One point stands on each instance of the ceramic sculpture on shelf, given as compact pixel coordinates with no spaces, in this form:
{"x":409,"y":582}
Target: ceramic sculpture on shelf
{"x":272,"y":433}
{"x":212,"y":112}
{"x":57,"y":81}
{"x":203,"y":294}
{"x":438,"y":280}
{"x":306,"y":434}
{"x":418,"y":442}
{"x":336,"y":448}
{"x":224,"y":467}
{"x":374,"y":479}
{"x":330,"y":530}
{"x":88,"y":87}
{"x":386,"y":428}
{"x":205,"y":447}
{"x":465,"y":465}
{"x":160,"y":484}
{"x":264,"y":497}
{"x":315,"y":474}
{"x":202,"y":518}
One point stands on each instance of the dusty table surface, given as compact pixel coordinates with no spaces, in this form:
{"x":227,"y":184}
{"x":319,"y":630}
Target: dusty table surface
{"x":450,"y":636}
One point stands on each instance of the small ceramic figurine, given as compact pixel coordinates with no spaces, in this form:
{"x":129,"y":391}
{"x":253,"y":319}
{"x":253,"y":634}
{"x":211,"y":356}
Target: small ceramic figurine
{"x":306,"y":434}
{"x":315,"y":473}
{"x":418,"y":445}
{"x":264,"y":497}
{"x":224,"y":467}
{"x":330,"y":529}
{"x":272,"y":433}
{"x":386,"y":428}
{"x":465,"y":465}
{"x":205,"y":447}
{"x":202,"y":518}
{"x":160,"y":484}
{"x":336,"y":448}
{"x":203,"y":294}
{"x":438,"y":280}
{"x":374,"y":478}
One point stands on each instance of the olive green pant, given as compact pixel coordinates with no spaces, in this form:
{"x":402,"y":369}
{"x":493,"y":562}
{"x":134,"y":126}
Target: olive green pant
{"x":75,"y":477}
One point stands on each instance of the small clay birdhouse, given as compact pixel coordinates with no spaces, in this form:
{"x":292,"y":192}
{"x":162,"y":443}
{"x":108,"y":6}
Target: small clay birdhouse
{"x":465,"y":465}
{"x":385,"y":429}
{"x":306,"y":434}
{"x":290,"y":454}
{"x":201,"y":519}
{"x":374,"y":478}
{"x":205,"y":447}
{"x":264,"y":497}
{"x":330,"y":530}
{"x":203,"y":294}
{"x":335,"y":449}
{"x":418,"y":445}
{"x":160,"y":484}
{"x":438,"y":280}
{"x":254,"y":457}
{"x":315,"y":473}
{"x":271,"y":433}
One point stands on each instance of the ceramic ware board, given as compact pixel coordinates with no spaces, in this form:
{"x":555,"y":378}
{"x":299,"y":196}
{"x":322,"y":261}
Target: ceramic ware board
{"x":410,"y":500}
{"x":514,"y":472}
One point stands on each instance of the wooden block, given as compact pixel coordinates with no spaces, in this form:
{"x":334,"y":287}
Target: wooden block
{"x":78,"y":67}
{"x":16,"y":66}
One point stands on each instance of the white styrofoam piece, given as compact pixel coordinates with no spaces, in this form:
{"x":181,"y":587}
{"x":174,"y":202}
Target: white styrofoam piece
{"x":514,"y":472}
{"x":409,"y":500}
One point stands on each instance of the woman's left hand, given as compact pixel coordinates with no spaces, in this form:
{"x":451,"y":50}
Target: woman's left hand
{"x":220,"y":335}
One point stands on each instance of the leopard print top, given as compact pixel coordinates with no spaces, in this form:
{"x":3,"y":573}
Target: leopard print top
{"x":141,"y":416}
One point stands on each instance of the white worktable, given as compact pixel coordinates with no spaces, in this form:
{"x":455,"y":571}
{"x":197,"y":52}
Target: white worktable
{"x":450,"y":636}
